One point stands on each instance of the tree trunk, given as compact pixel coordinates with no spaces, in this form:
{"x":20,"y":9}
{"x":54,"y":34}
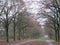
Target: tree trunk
{"x":7,"y":26}
{"x":19,"y":34}
{"x":23,"y":34}
{"x":56,"y":36}
{"x":14,"y":28}
{"x":7,"y":38}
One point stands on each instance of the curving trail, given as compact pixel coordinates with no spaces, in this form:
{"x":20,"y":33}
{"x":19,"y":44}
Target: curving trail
{"x":46,"y":37}
{"x":28,"y":42}
{"x":31,"y":42}
{"x":20,"y":43}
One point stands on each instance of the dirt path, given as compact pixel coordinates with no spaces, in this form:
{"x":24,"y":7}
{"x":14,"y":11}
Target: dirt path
{"x":28,"y":42}
{"x":32,"y":42}
{"x":46,"y":37}
{"x":20,"y":43}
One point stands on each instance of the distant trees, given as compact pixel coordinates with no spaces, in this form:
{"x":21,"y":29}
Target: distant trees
{"x":26,"y":27}
{"x":20,"y":23}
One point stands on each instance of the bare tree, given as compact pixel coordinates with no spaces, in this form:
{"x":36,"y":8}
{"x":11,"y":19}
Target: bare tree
{"x":53,"y":15}
{"x":7,"y":14}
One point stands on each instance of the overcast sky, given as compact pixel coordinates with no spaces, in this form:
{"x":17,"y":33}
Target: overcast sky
{"x":34,"y":6}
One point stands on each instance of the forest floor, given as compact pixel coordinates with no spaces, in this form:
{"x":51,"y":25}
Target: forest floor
{"x":28,"y":42}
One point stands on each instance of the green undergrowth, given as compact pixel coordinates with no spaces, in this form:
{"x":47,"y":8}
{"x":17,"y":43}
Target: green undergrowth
{"x":42,"y":40}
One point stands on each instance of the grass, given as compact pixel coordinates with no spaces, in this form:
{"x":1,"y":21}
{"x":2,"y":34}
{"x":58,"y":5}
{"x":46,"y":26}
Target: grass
{"x":52,"y":40}
{"x":42,"y":40}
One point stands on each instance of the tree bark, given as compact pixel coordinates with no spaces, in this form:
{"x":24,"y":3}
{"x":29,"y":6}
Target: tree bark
{"x":7,"y":37}
{"x":56,"y":36}
{"x":14,"y":28}
{"x":19,"y":33}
